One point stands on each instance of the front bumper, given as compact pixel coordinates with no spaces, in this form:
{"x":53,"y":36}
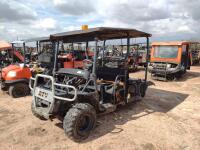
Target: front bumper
{"x":164,"y":72}
{"x":4,"y":84}
{"x":162,"y":69}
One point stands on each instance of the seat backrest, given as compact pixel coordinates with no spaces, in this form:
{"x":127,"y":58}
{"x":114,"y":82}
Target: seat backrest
{"x":74,"y":72}
{"x":109,"y":74}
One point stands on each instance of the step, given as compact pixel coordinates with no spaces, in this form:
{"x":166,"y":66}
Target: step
{"x":108,"y":108}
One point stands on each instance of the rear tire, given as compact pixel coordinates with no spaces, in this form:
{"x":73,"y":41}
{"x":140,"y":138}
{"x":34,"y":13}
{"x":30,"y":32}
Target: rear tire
{"x":79,"y":121}
{"x":19,"y":90}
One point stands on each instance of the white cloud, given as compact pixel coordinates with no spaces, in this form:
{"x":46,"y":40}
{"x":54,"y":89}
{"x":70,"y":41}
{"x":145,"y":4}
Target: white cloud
{"x":185,"y":28}
{"x":13,"y":11}
{"x":58,"y":2}
{"x":74,"y":7}
{"x":45,"y":24}
{"x":2,"y":27}
{"x":133,"y":11}
{"x":166,"y":19}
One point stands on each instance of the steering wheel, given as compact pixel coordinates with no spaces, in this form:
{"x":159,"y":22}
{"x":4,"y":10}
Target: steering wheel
{"x":87,"y":63}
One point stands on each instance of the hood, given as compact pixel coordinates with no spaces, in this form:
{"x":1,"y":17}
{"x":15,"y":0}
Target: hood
{"x":9,"y":68}
{"x":165,"y":60}
{"x":21,"y":72}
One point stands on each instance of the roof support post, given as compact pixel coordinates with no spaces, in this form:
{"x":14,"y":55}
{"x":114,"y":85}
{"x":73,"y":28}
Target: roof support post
{"x":24,"y":50}
{"x":94,"y":77}
{"x":37,"y":46}
{"x":104,"y":48}
{"x":128,"y":47}
{"x":86,"y":50}
{"x":147,"y":59}
{"x":55,"y":50}
{"x":95,"y":56}
{"x":126,"y":76}
{"x":13,"y":49}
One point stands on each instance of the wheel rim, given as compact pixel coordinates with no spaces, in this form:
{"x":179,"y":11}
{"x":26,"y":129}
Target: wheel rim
{"x":19,"y":92}
{"x":84,"y":124}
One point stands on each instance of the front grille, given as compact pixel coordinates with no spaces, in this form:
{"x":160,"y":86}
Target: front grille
{"x":161,"y":67}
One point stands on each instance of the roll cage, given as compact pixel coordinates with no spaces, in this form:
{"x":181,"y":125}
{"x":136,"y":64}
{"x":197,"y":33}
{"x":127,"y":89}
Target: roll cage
{"x":101,"y":71}
{"x":96,"y":35}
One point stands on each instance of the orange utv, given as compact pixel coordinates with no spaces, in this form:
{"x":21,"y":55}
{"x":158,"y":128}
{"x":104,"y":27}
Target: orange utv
{"x":14,"y":78}
{"x":169,"y":60}
{"x":74,"y":58}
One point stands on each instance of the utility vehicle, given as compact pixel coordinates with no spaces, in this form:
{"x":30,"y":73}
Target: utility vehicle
{"x":170,"y":60}
{"x":15,"y":77}
{"x":79,"y":95}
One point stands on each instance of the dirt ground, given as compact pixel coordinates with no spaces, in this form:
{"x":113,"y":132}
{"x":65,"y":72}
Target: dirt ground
{"x":167,"y":118}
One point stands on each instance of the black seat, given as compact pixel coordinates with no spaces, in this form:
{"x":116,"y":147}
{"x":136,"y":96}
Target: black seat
{"x":75,"y":72}
{"x":110,"y":74}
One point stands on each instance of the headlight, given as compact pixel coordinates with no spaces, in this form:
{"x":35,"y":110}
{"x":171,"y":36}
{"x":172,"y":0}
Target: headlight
{"x":11,"y":74}
{"x":168,"y":65}
{"x":173,"y":65}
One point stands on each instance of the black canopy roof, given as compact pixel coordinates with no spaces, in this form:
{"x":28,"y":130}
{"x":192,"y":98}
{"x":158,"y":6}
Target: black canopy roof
{"x":40,"y":39}
{"x":102,"y":33}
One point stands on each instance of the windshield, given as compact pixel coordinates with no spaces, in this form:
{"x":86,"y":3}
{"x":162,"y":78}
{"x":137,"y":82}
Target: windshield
{"x":166,"y":51}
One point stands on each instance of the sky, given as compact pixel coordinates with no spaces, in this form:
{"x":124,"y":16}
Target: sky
{"x":164,"y":19}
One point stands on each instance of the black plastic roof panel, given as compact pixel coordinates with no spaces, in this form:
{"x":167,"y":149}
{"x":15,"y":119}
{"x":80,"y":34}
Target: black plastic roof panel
{"x":102,"y":33}
{"x":41,"y":39}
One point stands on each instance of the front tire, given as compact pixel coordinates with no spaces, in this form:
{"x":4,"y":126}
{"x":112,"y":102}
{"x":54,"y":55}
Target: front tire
{"x":79,"y":121}
{"x":19,"y":90}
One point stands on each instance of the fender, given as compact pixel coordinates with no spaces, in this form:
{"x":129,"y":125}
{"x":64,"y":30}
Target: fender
{"x":9,"y":82}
